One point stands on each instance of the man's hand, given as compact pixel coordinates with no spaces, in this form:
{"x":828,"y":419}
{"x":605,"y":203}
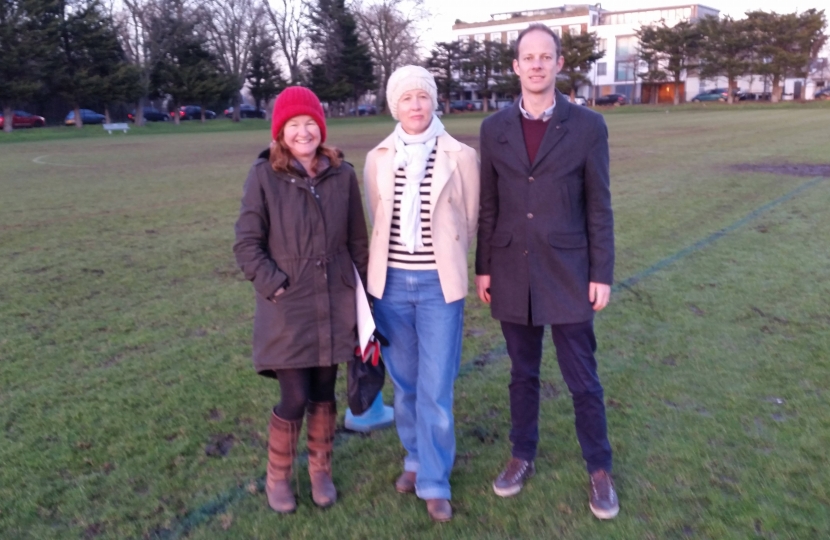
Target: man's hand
{"x":598,"y":294}
{"x":483,"y":288}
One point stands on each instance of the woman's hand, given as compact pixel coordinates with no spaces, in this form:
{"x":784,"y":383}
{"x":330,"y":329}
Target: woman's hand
{"x":483,"y":288}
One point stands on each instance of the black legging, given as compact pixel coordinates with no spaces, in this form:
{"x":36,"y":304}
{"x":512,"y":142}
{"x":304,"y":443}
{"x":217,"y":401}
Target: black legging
{"x":299,"y":386}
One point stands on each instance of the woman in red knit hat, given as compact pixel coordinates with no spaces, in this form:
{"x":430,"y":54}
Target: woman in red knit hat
{"x":300,"y":234}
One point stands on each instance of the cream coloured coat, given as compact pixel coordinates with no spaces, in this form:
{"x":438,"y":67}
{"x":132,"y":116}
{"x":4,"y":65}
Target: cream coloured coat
{"x":454,"y":200}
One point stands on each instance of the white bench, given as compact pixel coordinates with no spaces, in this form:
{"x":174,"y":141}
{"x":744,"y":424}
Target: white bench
{"x":116,"y":127}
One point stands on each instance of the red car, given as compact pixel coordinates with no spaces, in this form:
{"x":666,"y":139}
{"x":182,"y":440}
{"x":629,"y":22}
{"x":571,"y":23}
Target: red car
{"x":23,"y":119}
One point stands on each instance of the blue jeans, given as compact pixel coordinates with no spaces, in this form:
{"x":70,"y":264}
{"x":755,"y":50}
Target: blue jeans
{"x":422,"y":359}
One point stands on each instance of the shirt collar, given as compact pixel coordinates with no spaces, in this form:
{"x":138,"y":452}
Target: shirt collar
{"x":547,"y":114}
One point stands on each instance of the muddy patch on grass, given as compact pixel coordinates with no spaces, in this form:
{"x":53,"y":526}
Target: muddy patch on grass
{"x":220,"y":444}
{"x":790,"y":169}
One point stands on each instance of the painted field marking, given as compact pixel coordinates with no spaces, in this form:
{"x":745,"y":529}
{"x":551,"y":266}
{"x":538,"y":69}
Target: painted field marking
{"x":40,"y":160}
{"x":668,"y":261}
{"x":221,"y":502}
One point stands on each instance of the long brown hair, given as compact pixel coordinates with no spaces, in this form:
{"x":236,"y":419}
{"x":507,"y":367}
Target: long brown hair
{"x":280,"y":157}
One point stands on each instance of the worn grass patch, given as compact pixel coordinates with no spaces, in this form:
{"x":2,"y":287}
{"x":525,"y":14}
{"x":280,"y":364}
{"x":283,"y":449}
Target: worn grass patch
{"x":129,"y":407}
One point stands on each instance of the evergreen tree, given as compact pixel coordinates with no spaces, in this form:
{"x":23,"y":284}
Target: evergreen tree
{"x":444,"y":63}
{"x":486,"y":64}
{"x":669,"y":52}
{"x":342,"y":69}
{"x":20,"y":70}
{"x":87,"y":56}
{"x":580,"y":53}
{"x":726,"y":50}
{"x":182,"y":66}
{"x":787,"y":43}
{"x":264,"y":77}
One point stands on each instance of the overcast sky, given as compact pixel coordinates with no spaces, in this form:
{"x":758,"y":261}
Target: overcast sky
{"x":447,"y":11}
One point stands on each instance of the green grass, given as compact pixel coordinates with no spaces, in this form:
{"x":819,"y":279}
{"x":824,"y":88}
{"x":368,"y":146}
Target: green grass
{"x":125,"y":342}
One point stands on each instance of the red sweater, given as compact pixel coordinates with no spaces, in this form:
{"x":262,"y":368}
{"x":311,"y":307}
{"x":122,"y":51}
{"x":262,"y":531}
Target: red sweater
{"x":533,"y":131}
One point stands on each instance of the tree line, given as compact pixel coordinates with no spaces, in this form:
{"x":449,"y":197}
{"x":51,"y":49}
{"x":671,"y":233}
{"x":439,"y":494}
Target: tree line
{"x":205,"y":51}
{"x":777,"y":46}
{"x":772,"y":45}
{"x":488,"y":65}
{"x":200,"y":52}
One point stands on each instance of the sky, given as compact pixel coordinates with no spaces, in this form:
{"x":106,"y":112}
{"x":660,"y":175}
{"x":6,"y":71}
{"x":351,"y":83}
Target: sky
{"x":445,"y":12}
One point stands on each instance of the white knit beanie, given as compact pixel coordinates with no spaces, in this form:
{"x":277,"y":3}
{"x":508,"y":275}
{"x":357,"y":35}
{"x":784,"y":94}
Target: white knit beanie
{"x":408,"y":78}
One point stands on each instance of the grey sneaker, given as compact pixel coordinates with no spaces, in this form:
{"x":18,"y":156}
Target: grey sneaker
{"x":604,"y":502}
{"x":512,"y":478}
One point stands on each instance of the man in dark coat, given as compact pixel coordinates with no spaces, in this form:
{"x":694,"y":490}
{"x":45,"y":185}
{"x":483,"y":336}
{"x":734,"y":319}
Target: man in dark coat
{"x":545,"y":255}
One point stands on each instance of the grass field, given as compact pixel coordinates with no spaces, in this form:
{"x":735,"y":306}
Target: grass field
{"x":125,"y":342}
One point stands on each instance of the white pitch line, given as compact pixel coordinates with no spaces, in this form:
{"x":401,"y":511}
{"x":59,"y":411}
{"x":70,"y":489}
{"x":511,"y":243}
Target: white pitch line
{"x":40,"y":161}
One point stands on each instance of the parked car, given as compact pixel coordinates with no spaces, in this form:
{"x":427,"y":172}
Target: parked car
{"x":822,"y":93}
{"x":611,"y":99}
{"x":22,"y":119}
{"x":245,"y":111}
{"x":753,"y":96}
{"x":363,"y":110}
{"x":462,"y":105}
{"x":150,"y":115}
{"x":87,"y":117}
{"x":716,"y":94}
{"x":193,"y":112}
{"x":579,"y":100}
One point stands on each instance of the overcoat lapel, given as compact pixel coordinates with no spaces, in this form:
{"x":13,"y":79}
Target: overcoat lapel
{"x":442,"y":169}
{"x":515,"y":136}
{"x":556,"y":129}
{"x":386,"y":182}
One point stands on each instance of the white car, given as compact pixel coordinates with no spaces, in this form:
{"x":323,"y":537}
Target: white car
{"x":579,"y":100}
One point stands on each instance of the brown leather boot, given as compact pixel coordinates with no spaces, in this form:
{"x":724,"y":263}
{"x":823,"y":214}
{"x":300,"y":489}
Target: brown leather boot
{"x":282,"y":449}
{"x":321,"y":417}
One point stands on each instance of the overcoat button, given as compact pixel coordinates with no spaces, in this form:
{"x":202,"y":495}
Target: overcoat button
{"x":531,"y":179}
{"x":530,"y":216}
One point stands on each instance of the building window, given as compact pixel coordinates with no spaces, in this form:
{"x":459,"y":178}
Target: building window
{"x":575,"y":29}
{"x":626,"y":58}
{"x":602,"y":45}
{"x":625,"y":71}
{"x":495,"y":36}
{"x":512,"y":36}
{"x":463,"y":39}
{"x":479,"y":38}
{"x":602,"y":68}
{"x":626,"y":47}
{"x":557,"y":30}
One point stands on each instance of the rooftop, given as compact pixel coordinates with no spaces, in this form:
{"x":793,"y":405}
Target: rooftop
{"x":561,"y":12}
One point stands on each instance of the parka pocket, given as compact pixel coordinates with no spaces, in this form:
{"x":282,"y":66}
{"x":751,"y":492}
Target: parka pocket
{"x":347,"y":270}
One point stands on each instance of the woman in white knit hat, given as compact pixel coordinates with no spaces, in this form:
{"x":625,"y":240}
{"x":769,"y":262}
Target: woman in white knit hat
{"x":422,"y":188}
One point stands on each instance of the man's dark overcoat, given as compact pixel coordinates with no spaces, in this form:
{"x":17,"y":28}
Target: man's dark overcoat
{"x":306,"y":239}
{"x":545,"y":228}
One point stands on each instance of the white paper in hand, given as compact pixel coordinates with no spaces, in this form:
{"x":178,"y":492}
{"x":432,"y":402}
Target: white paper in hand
{"x":365,"y":322}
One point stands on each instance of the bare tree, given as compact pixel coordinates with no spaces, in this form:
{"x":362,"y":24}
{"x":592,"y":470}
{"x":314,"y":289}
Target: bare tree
{"x":288,"y":17}
{"x":134,"y":37}
{"x":229,"y":26}
{"x":389,"y":27}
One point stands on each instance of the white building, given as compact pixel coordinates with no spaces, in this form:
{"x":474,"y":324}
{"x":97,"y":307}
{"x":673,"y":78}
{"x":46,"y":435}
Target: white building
{"x":617,"y":71}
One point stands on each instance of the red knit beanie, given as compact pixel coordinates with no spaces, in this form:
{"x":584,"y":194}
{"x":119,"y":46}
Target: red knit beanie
{"x":296,"y":101}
